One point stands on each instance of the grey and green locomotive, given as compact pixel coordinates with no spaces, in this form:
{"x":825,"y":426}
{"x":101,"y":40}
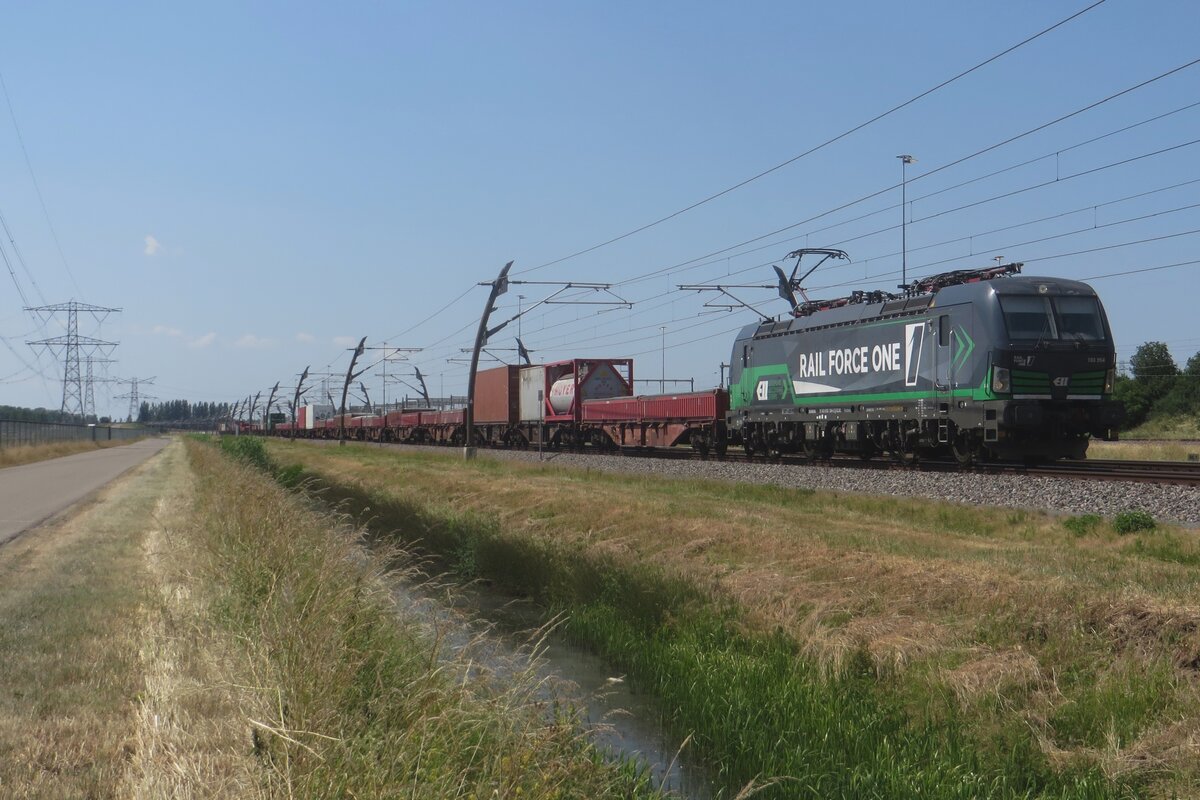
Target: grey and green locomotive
{"x":983,"y":363}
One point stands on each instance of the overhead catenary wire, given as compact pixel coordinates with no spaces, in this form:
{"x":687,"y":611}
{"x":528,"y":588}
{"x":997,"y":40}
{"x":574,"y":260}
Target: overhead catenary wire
{"x":980,"y":234}
{"x":922,"y":176}
{"x":467,"y":291}
{"x":821,"y":146}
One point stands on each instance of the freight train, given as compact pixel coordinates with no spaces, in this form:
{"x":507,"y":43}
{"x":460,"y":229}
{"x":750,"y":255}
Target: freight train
{"x":968,"y":364}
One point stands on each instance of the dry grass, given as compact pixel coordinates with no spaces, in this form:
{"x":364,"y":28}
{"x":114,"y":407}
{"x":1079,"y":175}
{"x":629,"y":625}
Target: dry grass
{"x":1144,"y":450}
{"x":982,"y":603}
{"x":27,"y":454}
{"x":192,"y":737}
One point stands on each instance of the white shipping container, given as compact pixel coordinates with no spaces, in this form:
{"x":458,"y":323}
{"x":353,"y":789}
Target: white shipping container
{"x":533,"y":383}
{"x":308,"y":415}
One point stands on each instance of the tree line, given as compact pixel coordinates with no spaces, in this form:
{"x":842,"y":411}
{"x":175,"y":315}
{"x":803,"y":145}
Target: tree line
{"x":44,"y":415}
{"x":182,"y":411}
{"x":1156,"y":386}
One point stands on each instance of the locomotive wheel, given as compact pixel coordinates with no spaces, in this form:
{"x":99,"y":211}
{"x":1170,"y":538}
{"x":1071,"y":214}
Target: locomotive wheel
{"x":815,"y":450}
{"x":902,"y":454}
{"x":965,"y":449}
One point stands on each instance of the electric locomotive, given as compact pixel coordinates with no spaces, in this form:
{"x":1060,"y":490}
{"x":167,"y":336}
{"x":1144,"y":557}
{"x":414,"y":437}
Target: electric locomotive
{"x":974,"y":363}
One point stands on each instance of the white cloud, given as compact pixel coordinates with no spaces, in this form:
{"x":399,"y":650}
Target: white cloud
{"x":163,"y":330}
{"x":305,"y":338}
{"x":203,"y":341}
{"x":249,"y":340}
{"x":345,"y":341}
{"x":153,"y":246}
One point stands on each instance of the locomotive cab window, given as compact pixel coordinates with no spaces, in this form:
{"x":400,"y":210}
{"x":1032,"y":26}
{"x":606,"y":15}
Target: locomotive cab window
{"x":1079,"y":318}
{"x":1028,"y":317}
{"x":1042,"y":318}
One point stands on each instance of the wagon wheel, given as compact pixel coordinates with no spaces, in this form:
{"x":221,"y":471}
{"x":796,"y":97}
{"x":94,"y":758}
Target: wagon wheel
{"x":700,"y":443}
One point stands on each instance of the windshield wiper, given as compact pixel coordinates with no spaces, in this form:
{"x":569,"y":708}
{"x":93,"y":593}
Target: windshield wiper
{"x":1042,"y":335}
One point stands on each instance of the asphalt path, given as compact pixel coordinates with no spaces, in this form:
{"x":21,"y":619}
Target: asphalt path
{"x":30,"y":494}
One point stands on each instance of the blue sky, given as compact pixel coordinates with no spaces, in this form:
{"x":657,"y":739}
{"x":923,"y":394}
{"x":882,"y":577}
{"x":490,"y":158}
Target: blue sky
{"x":258,"y":185}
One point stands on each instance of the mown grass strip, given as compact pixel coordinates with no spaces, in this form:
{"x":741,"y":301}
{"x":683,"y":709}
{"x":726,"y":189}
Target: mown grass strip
{"x":70,"y":600}
{"x":757,"y":706}
{"x":357,"y":702}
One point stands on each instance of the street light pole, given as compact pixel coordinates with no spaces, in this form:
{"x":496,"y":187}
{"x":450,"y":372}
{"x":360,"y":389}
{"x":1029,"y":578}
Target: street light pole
{"x":662,"y":388}
{"x":905,"y":160}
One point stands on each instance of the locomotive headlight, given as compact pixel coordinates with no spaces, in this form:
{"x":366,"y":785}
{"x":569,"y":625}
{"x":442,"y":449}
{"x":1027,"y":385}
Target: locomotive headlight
{"x":1000,"y":379}
{"x":1110,"y":379}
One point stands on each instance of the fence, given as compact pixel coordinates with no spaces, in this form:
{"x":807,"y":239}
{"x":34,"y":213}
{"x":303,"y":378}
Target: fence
{"x":17,"y":433}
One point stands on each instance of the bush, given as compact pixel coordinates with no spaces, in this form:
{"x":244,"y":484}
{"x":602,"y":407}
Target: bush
{"x":1083,"y":524}
{"x":1132,"y":522}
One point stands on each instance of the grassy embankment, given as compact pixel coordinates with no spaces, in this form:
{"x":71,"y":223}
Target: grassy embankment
{"x":1166,"y":428}
{"x":27,"y":454}
{"x":1163,"y":438}
{"x":855,"y":646}
{"x":356,"y":701}
{"x":1143,"y":450}
{"x":197,"y":632}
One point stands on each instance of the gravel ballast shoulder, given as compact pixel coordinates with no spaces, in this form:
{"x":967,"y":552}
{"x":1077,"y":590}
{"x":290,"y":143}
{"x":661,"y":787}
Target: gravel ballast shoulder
{"x":1177,"y":504}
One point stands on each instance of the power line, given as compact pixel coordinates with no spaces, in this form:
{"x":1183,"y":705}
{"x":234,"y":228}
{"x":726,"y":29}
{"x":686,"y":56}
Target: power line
{"x":21,"y":259}
{"x":820,"y":146}
{"x":36,"y":186}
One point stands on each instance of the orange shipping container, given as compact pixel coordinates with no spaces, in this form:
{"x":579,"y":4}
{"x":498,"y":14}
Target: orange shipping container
{"x":496,"y":395}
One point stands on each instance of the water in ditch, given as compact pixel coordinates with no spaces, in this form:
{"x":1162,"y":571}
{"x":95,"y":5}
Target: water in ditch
{"x":502,"y":637}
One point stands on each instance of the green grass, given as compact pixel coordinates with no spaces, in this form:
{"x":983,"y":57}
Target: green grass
{"x":1166,"y":427}
{"x":1111,"y":712}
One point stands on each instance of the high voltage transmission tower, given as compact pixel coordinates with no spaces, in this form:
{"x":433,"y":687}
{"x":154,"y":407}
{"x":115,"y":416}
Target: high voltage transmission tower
{"x":73,"y":347}
{"x":134,"y":395}
{"x":89,"y":380}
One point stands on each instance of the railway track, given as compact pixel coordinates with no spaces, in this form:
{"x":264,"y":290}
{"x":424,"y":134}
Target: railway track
{"x":1176,"y":473}
{"x":1173,"y":473}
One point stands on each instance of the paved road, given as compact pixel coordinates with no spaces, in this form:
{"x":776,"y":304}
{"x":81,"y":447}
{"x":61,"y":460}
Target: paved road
{"x":32,"y":493}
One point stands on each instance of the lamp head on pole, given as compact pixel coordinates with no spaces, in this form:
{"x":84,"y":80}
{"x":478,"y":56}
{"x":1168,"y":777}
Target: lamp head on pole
{"x":907,"y":159}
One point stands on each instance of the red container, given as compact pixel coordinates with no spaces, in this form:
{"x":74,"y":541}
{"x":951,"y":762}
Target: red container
{"x":443,"y":418}
{"x":696,"y":406}
{"x":497,"y":394}
{"x":615,"y":409}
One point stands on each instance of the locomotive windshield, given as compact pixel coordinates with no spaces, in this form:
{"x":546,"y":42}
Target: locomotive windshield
{"x":1079,"y":318}
{"x":1044,"y":318}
